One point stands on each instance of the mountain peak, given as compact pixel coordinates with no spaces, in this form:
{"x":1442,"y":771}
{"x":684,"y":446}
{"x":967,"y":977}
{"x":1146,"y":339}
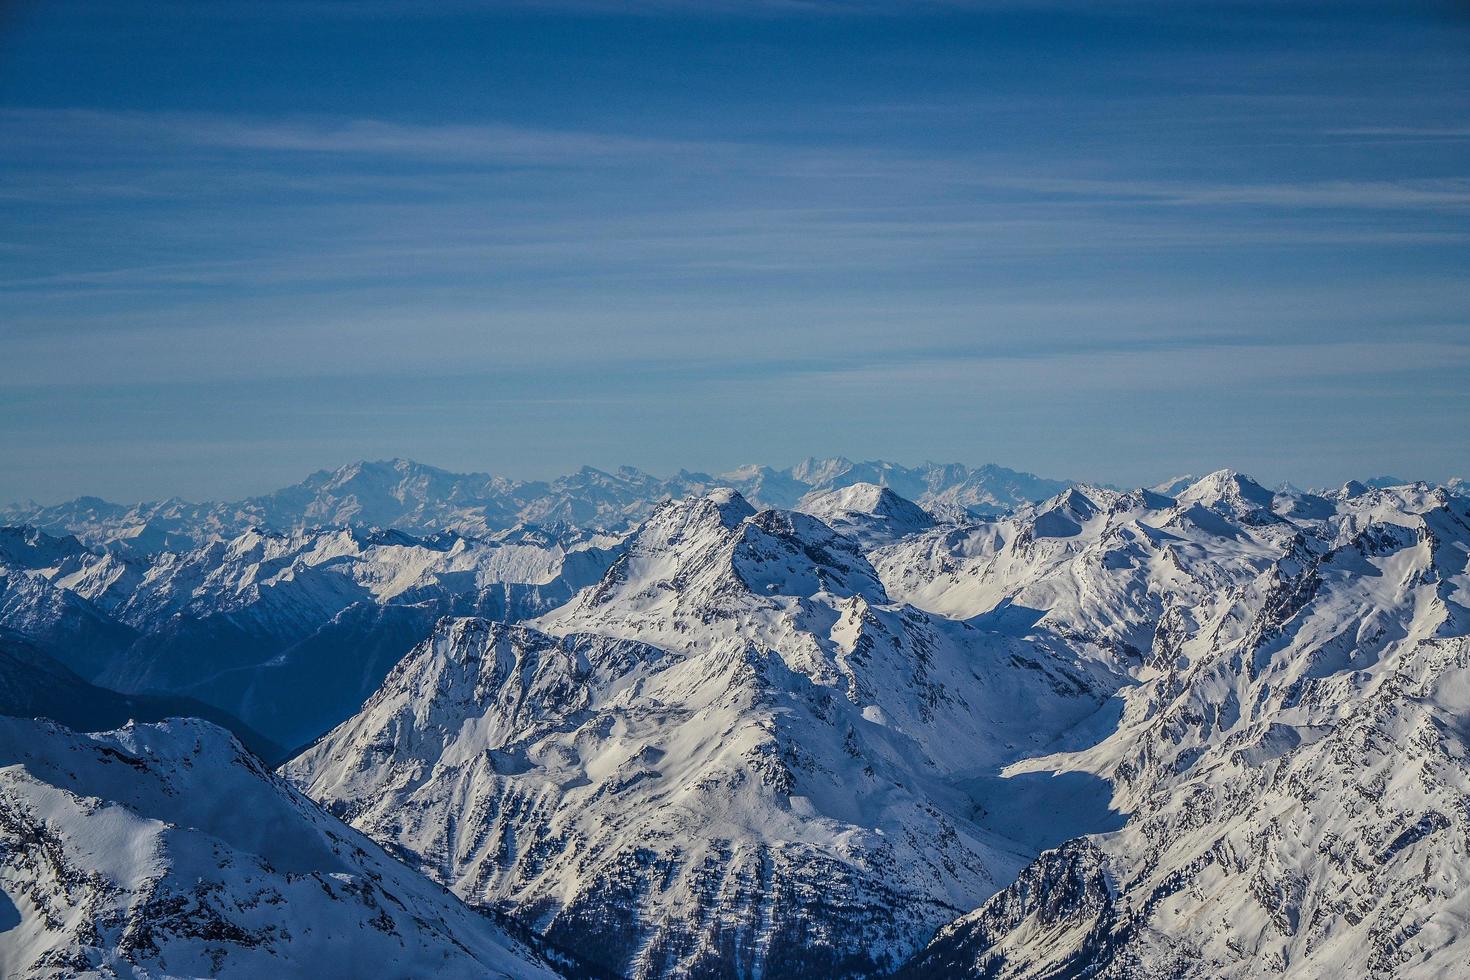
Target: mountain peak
{"x":815,"y":471}
{"x":872,"y":514}
{"x":782,"y":552}
{"x":1226,"y":487}
{"x":727,"y":502}
{"x":1174,"y":486}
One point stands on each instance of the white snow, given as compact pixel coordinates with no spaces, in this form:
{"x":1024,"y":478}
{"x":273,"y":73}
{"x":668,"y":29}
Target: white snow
{"x":167,"y":850}
{"x":804,"y":740}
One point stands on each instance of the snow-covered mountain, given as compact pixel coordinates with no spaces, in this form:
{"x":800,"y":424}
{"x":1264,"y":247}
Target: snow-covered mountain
{"x":867,"y":513}
{"x":841,"y":725}
{"x":167,"y":850}
{"x":65,"y":623}
{"x":734,"y":749}
{"x":299,"y":627}
{"x":422,"y":499}
{"x":1295,"y":763}
{"x":305,"y":601}
{"x":766,"y":727}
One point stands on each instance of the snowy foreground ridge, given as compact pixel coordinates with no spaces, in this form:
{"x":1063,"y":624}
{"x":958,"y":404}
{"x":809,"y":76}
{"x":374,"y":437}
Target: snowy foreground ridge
{"x":166,"y":850}
{"x":1202,"y":730}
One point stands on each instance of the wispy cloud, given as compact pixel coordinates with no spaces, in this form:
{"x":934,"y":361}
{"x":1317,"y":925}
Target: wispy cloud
{"x":358,"y":9}
{"x":1035,"y":229}
{"x":481,"y":142}
{"x":1412,"y":133}
{"x":495,"y":144}
{"x":1442,"y":194}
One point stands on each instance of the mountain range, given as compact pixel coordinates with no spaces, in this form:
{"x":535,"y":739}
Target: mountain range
{"x":844,"y":720}
{"x":421,"y":499}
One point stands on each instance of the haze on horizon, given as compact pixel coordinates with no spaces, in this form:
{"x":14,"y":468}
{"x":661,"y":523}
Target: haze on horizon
{"x":382,"y":473}
{"x":243,"y":242}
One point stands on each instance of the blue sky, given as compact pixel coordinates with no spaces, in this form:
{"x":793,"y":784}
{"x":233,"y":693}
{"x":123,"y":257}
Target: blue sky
{"x":240,"y":241}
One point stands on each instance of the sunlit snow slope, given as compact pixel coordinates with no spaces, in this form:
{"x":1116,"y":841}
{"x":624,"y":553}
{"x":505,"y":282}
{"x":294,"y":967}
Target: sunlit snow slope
{"x":168,"y":851}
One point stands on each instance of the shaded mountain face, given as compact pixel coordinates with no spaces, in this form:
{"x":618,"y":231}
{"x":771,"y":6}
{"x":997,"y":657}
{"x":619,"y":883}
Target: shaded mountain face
{"x":422,"y":499}
{"x":35,"y":685}
{"x":1295,"y":764}
{"x":296,"y":629}
{"x":169,"y":850}
{"x":73,"y":626}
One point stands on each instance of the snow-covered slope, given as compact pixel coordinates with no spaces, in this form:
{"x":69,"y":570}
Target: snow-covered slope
{"x":286,"y":582}
{"x":869,"y":514}
{"x":1296,"y":766}
{"x":733,"y":753}
{"x":1099,"y":567}
{"x":167,"y":850}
